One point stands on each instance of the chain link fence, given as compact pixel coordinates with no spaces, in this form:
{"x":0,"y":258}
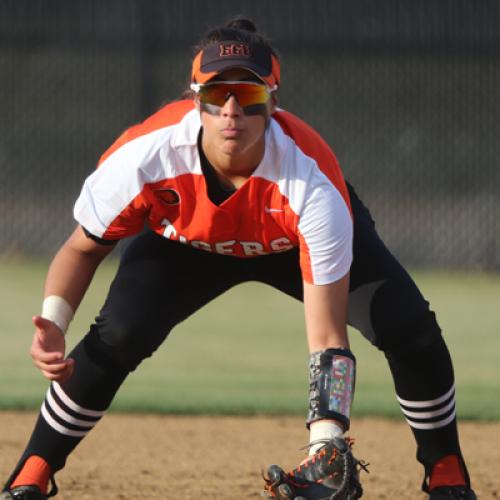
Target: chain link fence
{"x":406,"y":93}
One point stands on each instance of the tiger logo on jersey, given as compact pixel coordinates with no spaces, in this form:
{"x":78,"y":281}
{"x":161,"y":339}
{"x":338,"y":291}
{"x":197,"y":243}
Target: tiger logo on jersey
{"x":168,"y":196}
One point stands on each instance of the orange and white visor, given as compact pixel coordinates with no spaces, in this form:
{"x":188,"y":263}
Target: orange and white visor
{"x":221,"y":56}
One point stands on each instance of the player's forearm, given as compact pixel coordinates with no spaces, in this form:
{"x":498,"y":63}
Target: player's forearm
{"x":73,"y":268}
{"x":325,"y":309}
{"x":69,"y":276}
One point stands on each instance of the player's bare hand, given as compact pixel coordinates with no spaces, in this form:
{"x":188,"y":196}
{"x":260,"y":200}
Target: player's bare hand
{"x":48,"y":350}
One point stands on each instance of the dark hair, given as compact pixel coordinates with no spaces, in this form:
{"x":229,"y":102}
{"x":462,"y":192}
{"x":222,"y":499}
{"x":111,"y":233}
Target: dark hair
{"x":239,"y":29}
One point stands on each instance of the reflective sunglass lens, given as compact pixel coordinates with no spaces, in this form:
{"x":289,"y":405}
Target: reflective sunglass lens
{"x":245,"y":94}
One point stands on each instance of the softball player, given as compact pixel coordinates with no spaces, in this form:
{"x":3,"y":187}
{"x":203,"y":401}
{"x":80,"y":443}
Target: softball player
{"x":235,"y":189}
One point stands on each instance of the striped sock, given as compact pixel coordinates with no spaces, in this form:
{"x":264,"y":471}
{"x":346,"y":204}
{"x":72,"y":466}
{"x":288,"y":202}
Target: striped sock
{"x":430,"y":414}
{"x":72,"y":409}
{"x":425,"y":389}
{"x":66,"y":417}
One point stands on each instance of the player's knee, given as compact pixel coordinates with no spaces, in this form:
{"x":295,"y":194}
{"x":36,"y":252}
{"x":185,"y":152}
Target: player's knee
{"x":418,"y":332}
{"x":124,"y":344}
{"x":393,"y":315}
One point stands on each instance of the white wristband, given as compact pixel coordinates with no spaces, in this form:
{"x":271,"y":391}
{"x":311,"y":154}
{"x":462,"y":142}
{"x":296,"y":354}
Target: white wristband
{"x":57,"y":310}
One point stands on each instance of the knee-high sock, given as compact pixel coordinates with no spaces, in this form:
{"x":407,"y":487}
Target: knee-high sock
{"x":425,"y":388}
{"x":71,"y":409}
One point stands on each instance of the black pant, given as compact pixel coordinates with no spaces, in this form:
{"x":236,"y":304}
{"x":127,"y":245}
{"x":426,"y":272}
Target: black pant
{"x":160,"y":283}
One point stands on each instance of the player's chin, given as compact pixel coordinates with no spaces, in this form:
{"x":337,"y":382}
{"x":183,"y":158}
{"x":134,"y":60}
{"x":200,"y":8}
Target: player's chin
{"x":234,"y":146}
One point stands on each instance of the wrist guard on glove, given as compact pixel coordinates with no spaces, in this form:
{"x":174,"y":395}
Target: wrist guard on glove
{"x":330,"y":474}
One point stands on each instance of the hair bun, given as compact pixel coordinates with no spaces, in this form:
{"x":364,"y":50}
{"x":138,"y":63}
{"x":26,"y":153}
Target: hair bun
{"x":241,"y":23}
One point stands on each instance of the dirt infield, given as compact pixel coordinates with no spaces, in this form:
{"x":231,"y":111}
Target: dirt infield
{"x":192,"y":458}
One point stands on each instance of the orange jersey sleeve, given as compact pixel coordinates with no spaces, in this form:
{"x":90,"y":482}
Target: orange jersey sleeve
{"x":295,"y":197}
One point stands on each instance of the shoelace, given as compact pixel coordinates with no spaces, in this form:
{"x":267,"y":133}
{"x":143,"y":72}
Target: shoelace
{"x":462,"y":494}
{"x":454,"y":493}
{"x":361,"y":464}
{"x":292,"y":475}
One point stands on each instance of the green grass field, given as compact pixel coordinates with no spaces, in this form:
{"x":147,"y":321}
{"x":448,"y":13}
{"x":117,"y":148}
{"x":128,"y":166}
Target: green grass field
{"x":246,"y":352}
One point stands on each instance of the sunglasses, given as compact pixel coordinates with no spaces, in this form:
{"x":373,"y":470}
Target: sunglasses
{"x":251,"y":96}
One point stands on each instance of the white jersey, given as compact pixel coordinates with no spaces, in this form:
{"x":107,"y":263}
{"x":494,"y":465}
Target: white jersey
{"x":296,"y":197}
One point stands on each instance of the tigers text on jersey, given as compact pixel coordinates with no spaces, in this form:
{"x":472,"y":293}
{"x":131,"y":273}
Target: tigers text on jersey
{"x":295,"y":197}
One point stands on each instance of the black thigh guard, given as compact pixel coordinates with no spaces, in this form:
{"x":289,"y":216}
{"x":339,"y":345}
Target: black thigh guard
{"x":385,"y":305}
{"x":159,"y":283}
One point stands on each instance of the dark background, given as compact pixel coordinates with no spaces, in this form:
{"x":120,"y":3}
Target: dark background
{"x":406,"y":92}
